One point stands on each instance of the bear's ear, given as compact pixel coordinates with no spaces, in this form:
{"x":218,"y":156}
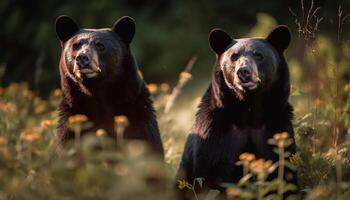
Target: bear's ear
{"x":280,"y":38}
{"x":125,"y":28}
{"x":219,"y":40}
{"x":65,"y":28}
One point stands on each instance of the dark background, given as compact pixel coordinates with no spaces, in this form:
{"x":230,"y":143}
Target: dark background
{"x":168,"y":33}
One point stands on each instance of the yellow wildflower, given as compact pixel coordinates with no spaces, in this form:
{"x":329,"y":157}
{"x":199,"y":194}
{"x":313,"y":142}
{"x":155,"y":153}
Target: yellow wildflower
{"x":184,"y":77}
{"x":39,"y":108}
{"x":152,"y":88}
{"x":260,"y":166}
{"x":164,"y":87}
{"x":13,"y":87}
{"x":77,"y":118}
{"x":3,"y":140}
{"x":57,"y":93}
{"x":248,"y":157}
{"x":121,"y":120}
{"x":46,"y":123}
{"x":281,"y":136}
{"x":8,"y":107}
{"x":347,"y":88}
{"x":182,"y":184}
{"x":100,"y":132}
{"x":30,"y":134}
{"x":27,"y":93}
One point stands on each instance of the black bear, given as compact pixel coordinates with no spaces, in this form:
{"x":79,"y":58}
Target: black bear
{"x":100,"y":79}
{"x":245,"y":105}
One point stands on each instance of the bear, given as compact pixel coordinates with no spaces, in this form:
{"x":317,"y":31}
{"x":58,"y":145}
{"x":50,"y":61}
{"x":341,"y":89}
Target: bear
{"x":100,"y":79}
{"x":245,"y":105}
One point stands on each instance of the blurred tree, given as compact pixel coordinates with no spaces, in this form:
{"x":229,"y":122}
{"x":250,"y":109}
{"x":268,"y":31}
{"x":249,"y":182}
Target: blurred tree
{"x":168,"y":32}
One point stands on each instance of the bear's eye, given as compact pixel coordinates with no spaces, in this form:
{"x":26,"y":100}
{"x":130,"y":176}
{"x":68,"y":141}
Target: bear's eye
{"x":76,"y":46}
{"x":258,"y":56}
{"x":100,"y":46}
{"x":234,"y":56}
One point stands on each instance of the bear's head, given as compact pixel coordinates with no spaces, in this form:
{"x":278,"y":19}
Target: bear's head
{"x":249,"y":65}
{"x":94,"y":54}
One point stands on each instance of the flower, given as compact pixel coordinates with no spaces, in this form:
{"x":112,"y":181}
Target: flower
{"x":164,"y":87}
{"x":184,"y":77}
{"x":152,"y":87}
{"x":30,"y":134}
{"x":281,"y":136}
{"x":248,"y":157}
{"x":100,"y":132}
{"x":347,"y":88}
{"x":39,"y":108}
{"x":281,"y":139}
{"x":121,"y":120}
{"x":182,"y":184}
{"x":46,"y":123}
{"x":8,"y":107}
{"x":120,"y":124}
{"x":57,"y":93}
{"x":27,"y":93}
{"x":260,"y":166}
{"x":3,"y":140}
{"x":77,"y":118}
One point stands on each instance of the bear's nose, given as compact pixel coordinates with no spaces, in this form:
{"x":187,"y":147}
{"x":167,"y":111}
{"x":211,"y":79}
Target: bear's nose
{"x":244,"y":74}
{"x":83,"y":60}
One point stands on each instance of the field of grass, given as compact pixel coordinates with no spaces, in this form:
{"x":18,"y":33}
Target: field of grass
{"x":32,"y":167}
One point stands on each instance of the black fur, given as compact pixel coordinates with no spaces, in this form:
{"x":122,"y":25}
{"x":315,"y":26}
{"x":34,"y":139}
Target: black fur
{"x":227,"y":126}
{"x":118,"y":90}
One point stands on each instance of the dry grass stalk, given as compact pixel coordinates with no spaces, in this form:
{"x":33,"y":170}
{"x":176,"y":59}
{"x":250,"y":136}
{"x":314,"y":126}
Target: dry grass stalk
{"x":309,"y":21}
{"x":185,"y":76}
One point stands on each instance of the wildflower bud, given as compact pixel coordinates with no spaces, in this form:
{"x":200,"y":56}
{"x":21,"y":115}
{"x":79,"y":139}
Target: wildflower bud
{"x":347,"y":88}
{"x":78,"y":118}
{"x":164,"y":87}
{"x":57,"y":93}
{"x":46,"y":123}
{"x":152,"y":88}
{"x":248,"y":157}
{"x":182,"y":184}
{"x":100,"y":133}
{"x":121,"y":122}
{"x":3,"y":140}
{"x":30,"y":134}
{"x":184,"y":77}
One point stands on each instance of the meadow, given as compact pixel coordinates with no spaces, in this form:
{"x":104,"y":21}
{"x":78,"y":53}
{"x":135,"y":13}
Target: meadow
{"x":32,"y":166}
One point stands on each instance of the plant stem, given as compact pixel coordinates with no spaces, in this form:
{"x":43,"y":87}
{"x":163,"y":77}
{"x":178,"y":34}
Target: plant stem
{"x":281,"y":164}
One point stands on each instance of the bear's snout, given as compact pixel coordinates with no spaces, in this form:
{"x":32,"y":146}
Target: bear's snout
{"x":244,"y":74}
{"x":83,"y":60}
